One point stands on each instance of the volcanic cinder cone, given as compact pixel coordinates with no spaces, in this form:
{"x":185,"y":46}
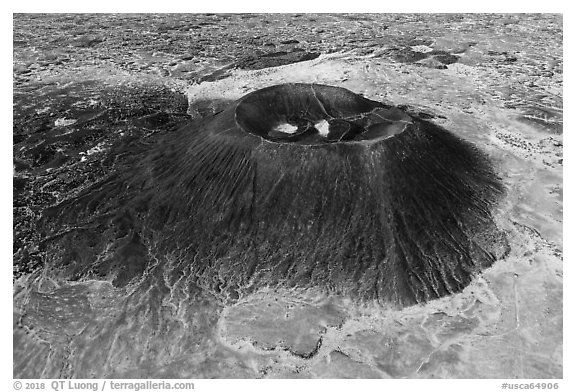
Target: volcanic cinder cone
{"x":297,"y":185}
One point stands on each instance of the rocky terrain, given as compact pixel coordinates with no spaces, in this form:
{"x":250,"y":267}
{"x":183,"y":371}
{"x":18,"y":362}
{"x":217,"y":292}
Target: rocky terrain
{"x":89,"y":90}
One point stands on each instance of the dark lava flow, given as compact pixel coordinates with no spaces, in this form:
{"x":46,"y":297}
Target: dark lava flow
{"x":293,"y":185}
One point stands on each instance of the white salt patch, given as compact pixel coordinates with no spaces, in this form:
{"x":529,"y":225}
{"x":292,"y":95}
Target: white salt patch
{"x":96,"y":149}
{"x":421,"y":48}
{"x":286,"y":128}
{"x":63,"y":122}
{"x":323,"y":128}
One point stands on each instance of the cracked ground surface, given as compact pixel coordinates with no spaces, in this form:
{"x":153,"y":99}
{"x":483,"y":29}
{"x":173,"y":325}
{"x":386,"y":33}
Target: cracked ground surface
{"x":88,"y":89}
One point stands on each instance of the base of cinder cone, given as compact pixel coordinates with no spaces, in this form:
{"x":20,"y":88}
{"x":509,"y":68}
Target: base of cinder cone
{"x":377,"y":204}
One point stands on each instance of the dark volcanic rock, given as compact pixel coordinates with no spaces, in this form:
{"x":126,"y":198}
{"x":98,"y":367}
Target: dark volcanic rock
{"x":407,"y":55}
{"x":62,"y":140}
{"x":444,"y":57}
{"x":276,"y":59}
{"x":293,"y":185}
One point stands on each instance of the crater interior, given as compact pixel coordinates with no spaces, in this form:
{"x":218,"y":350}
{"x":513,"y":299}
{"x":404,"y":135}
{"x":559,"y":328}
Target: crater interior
{"x":316,"y":114}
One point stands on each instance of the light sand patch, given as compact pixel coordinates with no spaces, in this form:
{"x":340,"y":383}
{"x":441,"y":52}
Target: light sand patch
{"x":421,"y":48}
{"x":323,"y":128}
{"x":286,"y":128}
{"x":64,"y":122}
